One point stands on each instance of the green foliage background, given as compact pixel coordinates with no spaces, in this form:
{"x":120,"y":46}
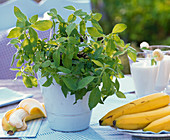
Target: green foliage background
{"x":146,"y":20}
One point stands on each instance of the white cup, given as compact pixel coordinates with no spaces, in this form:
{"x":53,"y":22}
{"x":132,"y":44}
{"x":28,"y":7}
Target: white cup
{"x":144,"y":76}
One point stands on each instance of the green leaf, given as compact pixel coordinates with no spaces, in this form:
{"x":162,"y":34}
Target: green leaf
{"x":98,"y":63}
{"x":14,"y":41}
{"x":37,"y":57}
{"x":85,"y":81}
{"x":20,"y":16}
{"x":46,"y":64}
{"x":54,"y":11}
{"x":118,"y":28}
{"x":63,"y":69}
{"x":70,"y":83}
{"x":56,"y":58}
{"x":27,"y":81}
{"x":65,"y":90}
{"x":97,"y":25}
{"x":15,"y":69}
{"x":117,"y":85}
{"x":94,"y":98}
{"x":33,"y":19}
{"x":71,"y":18}
{"x":98,"y":52}
{"x":42,"y":25}
{"x":48,"y":82}
{"x":15,"y":32}
{"x":70,"y":8}
{"x":36,"y":67}
{"x":120,"y":94}
{"x":97,"y":16}
{"x":20,"y":24}
{"x":106,"y":81}
{"x":94,"y":32}
{"x":70,"y":28}
{"x":33,"y":37}
{"x":82,"y":27}
{"x":34,"y":81}
{"x":19,"y":63}
{"x":118,"y":53}
{"x":57,"y":78}
{"x":87,"y":17}
{"x":13,"y":59}
{"x":110,"y":47}
{"x":60,"y":19}
{"x":80,"y":13}
{"x":132,"y":53}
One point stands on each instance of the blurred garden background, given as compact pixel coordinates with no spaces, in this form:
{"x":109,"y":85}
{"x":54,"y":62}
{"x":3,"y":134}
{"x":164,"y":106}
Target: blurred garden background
{"x":146,"y":20}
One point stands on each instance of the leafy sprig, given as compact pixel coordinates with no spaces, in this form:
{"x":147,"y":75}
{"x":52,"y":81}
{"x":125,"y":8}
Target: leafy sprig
{"x":85,"y":55}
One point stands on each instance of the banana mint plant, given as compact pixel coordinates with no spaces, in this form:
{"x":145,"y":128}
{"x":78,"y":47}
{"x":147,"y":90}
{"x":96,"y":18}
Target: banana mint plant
{"x":88,"y":58}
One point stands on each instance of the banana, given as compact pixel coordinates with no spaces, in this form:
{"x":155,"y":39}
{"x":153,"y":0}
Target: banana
{"x":159,"y":125}
{"x":150,"y":102}
{"x":15,"y":119}
{"x":140,"y":120}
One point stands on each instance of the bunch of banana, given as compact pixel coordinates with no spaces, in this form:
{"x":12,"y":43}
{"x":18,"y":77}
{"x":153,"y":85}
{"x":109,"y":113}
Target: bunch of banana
{"x":147,"y":103}
{"x":140,"y":120}
{"x":15,"y":119}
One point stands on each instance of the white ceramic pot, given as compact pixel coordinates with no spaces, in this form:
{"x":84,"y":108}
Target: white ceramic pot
{"x":62,"y":114}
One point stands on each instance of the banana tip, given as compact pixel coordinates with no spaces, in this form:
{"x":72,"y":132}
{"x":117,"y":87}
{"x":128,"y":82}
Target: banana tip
{"x":10,"y":132}
{"x":100,"y":122}
{"x":114,"y":123}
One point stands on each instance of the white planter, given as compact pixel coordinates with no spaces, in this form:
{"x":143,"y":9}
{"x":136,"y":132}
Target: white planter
{"x":62,"y":114}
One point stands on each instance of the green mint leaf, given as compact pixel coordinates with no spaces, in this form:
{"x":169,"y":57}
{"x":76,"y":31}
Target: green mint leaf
{"x":57,"y":78}
{"x":20,"y":16}
{"x":33,"y":81}
{"x":97,"y":25}
{"x":110,"y":47}
{"x":65,"y":90}
{"x":87,"y":17}
{"x":13,"y":59}
{"x":46,"y":64}
{"x":70,"y":8}
{"x":14,"y":41}
{"x":153,"y":62}
{"x":36,"y":67}
{"x":70,"y":83}
{"x":85,"y":81}
{"x":56,"y":58}
{"x":80,"y":13}
{"x":117,"y":85}
{"x":106,"y":81}
{"x":15,"y":69}
{"x":94,"y":98}
{"x":97,"y":16}
{"x":48,"y":82}
{"x":20,"y":24}
{"x":33,"y":19}
{"x":120,"y":94}
{"x":60,"y":19}
{"x":33,"y":37}
{"x":98,"y":52}
{"x":54,"y":11}
{"x":15,"y":32}
{"x":94,"y":32}
{"x":19,"y":63}
{"x":27,"y":81}
{"x":42,"y":25}
{"x":98,"y":63}
{"x":63,"y":69}
{"x":118,"y":28}
{"x":132,"y":53}
{"x":70,"y":28}
{"x":71,"y":18}
{"x":118,"y":53}
{"x":82,"y":27}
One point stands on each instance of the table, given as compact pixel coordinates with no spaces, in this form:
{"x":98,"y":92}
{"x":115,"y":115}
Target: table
{"x":107,"y":132}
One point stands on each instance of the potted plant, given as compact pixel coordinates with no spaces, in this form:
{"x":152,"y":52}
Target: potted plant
{"x":75,"y":66}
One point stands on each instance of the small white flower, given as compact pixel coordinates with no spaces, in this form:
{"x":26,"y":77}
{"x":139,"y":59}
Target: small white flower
{"x":157,"y":53}
{"x":144,"y":45}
